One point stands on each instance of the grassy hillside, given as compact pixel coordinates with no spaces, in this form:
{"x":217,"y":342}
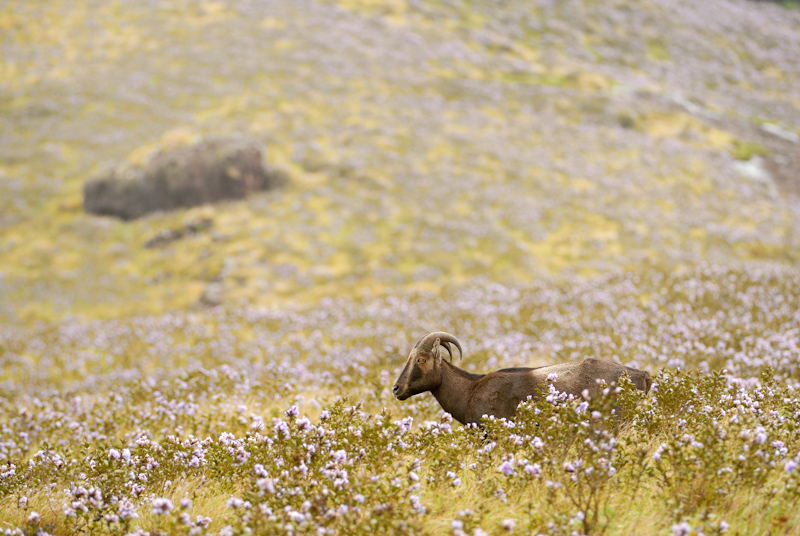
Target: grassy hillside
{"x":547,"y":180}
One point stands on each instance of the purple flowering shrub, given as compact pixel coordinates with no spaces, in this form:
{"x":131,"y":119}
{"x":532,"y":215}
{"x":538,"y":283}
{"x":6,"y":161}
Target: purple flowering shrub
{"x":721,"y":438}
{"x":236,"y":420}
{"x":563,"y":464}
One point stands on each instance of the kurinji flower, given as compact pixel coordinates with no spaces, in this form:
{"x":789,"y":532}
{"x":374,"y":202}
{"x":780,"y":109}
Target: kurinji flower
{"x":534,"y":469}
{"x":417,"y":505}
{"x":127,"y":510}
{"x":790,"y":466}
{"x":161,"y":506}
{"x":659,"y":451}
{"x":281,"y":426}
{"x":507,"y":468}
{"x":682,"y":529}
{"x":235,"y":502}
{"x":340,"y":456}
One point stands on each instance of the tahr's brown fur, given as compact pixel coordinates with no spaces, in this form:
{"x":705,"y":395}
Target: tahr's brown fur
{"x":468,"y":397}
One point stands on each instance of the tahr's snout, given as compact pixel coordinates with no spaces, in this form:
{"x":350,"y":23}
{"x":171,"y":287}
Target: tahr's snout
{"x":400,"y":393}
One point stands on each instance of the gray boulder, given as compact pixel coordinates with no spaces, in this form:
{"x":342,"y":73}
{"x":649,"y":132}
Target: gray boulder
{"x":211,"y":170}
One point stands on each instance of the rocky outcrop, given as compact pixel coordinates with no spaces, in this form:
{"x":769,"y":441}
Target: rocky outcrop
{"x":211,"y":170}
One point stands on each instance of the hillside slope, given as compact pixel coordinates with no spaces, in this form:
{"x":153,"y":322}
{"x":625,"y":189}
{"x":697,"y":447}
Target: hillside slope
{"x":429,"y":143}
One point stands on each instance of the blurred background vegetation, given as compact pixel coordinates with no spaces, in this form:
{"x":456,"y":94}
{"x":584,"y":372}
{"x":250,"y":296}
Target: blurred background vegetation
{"x":427,"y":142}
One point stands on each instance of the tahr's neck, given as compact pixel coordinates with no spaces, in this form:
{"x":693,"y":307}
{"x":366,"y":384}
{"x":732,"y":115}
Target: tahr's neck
{"x":454,"y":391}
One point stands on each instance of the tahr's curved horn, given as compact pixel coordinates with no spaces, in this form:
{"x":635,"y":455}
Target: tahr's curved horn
{"x":445,"y":339}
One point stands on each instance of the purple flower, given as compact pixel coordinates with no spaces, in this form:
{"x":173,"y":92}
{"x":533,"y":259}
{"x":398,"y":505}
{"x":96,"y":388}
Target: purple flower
{"x":340,"y":456}
{"x":790,"y":466}
{"x":682,"y":529}
{"x":235,"y":502}
{"x":507,"y":468}
{"x":162,"y":506}
{"x":534,"y":470}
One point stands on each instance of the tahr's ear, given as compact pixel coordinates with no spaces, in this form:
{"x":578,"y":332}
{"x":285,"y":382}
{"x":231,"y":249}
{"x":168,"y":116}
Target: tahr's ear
{"x":437,"y":350}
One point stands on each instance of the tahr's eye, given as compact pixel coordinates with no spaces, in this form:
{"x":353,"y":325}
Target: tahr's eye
{"x":421,"y":361}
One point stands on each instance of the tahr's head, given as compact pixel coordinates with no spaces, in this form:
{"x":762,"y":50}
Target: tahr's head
{"x":423,"y":370}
